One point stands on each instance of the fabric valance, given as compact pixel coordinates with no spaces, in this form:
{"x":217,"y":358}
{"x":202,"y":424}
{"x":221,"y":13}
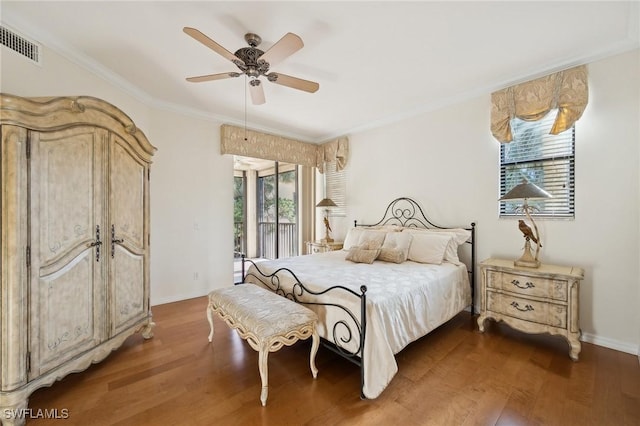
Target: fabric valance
{"x":249,"y":143}
{"x":567,"y":90}
{"x":336,"y":150}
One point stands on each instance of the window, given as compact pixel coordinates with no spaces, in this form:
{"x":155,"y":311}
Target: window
{"x":544,"y":159}
{"x":335,"y":188}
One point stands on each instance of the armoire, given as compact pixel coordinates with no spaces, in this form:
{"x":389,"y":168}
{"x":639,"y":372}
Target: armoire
{"x":75,"y":177}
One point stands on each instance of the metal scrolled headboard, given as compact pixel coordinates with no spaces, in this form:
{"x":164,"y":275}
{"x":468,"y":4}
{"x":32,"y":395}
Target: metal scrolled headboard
{"x":407,"y":213}
{"x":404,"y":212}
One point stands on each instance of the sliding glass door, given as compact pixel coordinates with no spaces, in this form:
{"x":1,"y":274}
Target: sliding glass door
{"x":266,"y":208}
{"x":277,"y":211}
{"x":239,"y":213}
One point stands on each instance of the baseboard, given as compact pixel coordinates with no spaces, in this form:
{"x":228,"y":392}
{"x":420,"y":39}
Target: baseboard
{"x":611,"y":344}
{"x":178,"y":297}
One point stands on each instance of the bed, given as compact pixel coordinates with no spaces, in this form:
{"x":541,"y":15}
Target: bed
{"x":369,"y":310}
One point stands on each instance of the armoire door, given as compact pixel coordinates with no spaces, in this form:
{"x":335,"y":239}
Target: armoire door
{"x":67,"y":268}
{"x":128,"y":202}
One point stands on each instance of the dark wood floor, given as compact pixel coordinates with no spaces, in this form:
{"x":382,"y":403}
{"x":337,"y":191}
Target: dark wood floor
{"x":454,"y":376}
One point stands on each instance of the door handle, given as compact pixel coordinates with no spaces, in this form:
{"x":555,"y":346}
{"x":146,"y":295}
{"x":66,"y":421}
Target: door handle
{"x":114,"y":241}
{"x":97,"y":243}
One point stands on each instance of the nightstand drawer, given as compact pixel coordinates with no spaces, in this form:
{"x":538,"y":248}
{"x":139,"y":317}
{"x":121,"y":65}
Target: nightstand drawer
{"x":528,"y":310}
{"x":314,"y":247}
{"x":527,"y":285}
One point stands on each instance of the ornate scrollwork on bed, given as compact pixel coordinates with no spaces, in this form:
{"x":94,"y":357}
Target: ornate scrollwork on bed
{"x":406,"y":213}
{"x":352,"y":302}
{"x":348,"y":335}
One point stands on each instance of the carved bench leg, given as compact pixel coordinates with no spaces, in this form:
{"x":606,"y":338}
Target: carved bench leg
{"x":314,"y":350}
{"x":263,"y":355}
{"x":210,"y":318}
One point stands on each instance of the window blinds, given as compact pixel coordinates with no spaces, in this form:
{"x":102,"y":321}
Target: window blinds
{"x":544,"y":159}
{"x":335,"y":187}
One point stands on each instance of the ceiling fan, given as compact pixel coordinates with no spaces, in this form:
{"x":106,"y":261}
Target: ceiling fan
{"x":255,"y":63}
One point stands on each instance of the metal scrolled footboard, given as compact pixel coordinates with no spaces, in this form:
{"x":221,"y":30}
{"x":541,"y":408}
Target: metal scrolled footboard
{"x":346,"y":332}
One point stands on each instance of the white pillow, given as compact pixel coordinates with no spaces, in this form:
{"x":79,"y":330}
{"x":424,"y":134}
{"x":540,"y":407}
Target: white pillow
{"x":428,"y":247}
{"x":451,"y":253}
{"x":459,"y":237}
{"x":388,"y":228}
{"x":351,"y":240}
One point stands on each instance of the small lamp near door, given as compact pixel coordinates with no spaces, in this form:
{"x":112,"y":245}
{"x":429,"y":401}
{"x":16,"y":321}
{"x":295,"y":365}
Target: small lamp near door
{"x":527,"y":191}
{"x":327,"y":203}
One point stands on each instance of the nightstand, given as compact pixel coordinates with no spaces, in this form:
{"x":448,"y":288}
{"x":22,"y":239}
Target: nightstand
{"x":533,"y":300}
{"x":322,"y":247}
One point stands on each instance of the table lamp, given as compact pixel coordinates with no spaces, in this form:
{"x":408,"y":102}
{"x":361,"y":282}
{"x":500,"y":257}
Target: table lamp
{"x":326,"y":203}
{"x":527,"y":191}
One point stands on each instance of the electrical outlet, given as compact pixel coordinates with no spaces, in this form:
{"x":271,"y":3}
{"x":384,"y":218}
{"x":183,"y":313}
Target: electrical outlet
{"x":195,"y":276}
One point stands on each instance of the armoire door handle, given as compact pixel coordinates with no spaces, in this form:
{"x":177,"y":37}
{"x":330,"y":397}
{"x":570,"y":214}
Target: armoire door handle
{"x":114,"y":241}
{"x":97,"y":243}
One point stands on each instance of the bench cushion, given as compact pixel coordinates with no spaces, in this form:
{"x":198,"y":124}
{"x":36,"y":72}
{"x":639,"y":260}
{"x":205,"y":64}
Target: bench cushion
{"x":261,"y":311}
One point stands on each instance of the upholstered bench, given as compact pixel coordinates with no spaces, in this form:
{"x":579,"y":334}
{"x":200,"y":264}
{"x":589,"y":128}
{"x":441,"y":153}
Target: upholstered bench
{"x":267,"y":321}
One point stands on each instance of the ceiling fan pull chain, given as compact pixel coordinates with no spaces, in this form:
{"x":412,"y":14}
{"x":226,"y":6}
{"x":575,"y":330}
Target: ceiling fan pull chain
{"x":245,"y":107}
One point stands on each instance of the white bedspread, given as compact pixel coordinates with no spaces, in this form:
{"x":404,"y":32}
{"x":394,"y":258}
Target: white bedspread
{"x":404,"y":302}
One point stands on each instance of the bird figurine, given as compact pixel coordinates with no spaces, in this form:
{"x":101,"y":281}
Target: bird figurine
{"x":326,"y":224}
{"x":527,"y":232}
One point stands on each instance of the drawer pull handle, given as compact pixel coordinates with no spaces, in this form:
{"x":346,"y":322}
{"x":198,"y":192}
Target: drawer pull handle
{"x":527,"y":285}
{"x":525,"y":309}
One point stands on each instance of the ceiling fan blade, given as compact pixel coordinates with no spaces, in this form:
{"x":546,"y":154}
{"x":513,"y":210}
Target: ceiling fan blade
{"x":211,"y":77}
{"x":257,"y":93}
{"x":286,"y":46}
{"x":293,"y":82}
{"x":210,"y":43}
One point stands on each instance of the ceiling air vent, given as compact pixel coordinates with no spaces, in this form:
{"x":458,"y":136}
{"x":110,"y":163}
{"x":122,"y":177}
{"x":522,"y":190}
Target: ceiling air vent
{"x":17,"y":43}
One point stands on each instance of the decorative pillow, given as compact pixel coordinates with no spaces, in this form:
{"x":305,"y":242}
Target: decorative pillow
{"x":371,"y":239}
{"x":362,"y":255}
{"x":428,"y":247}
{"x":395,"y":247}
{"x":392,"y":255}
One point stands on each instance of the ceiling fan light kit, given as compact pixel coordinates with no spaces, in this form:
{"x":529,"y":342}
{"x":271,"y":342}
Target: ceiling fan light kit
{"x":255,"y":63}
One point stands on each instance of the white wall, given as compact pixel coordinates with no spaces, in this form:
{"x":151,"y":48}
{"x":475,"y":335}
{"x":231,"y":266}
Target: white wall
{"x":448,"y":160}
{"x":191,"y":209}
